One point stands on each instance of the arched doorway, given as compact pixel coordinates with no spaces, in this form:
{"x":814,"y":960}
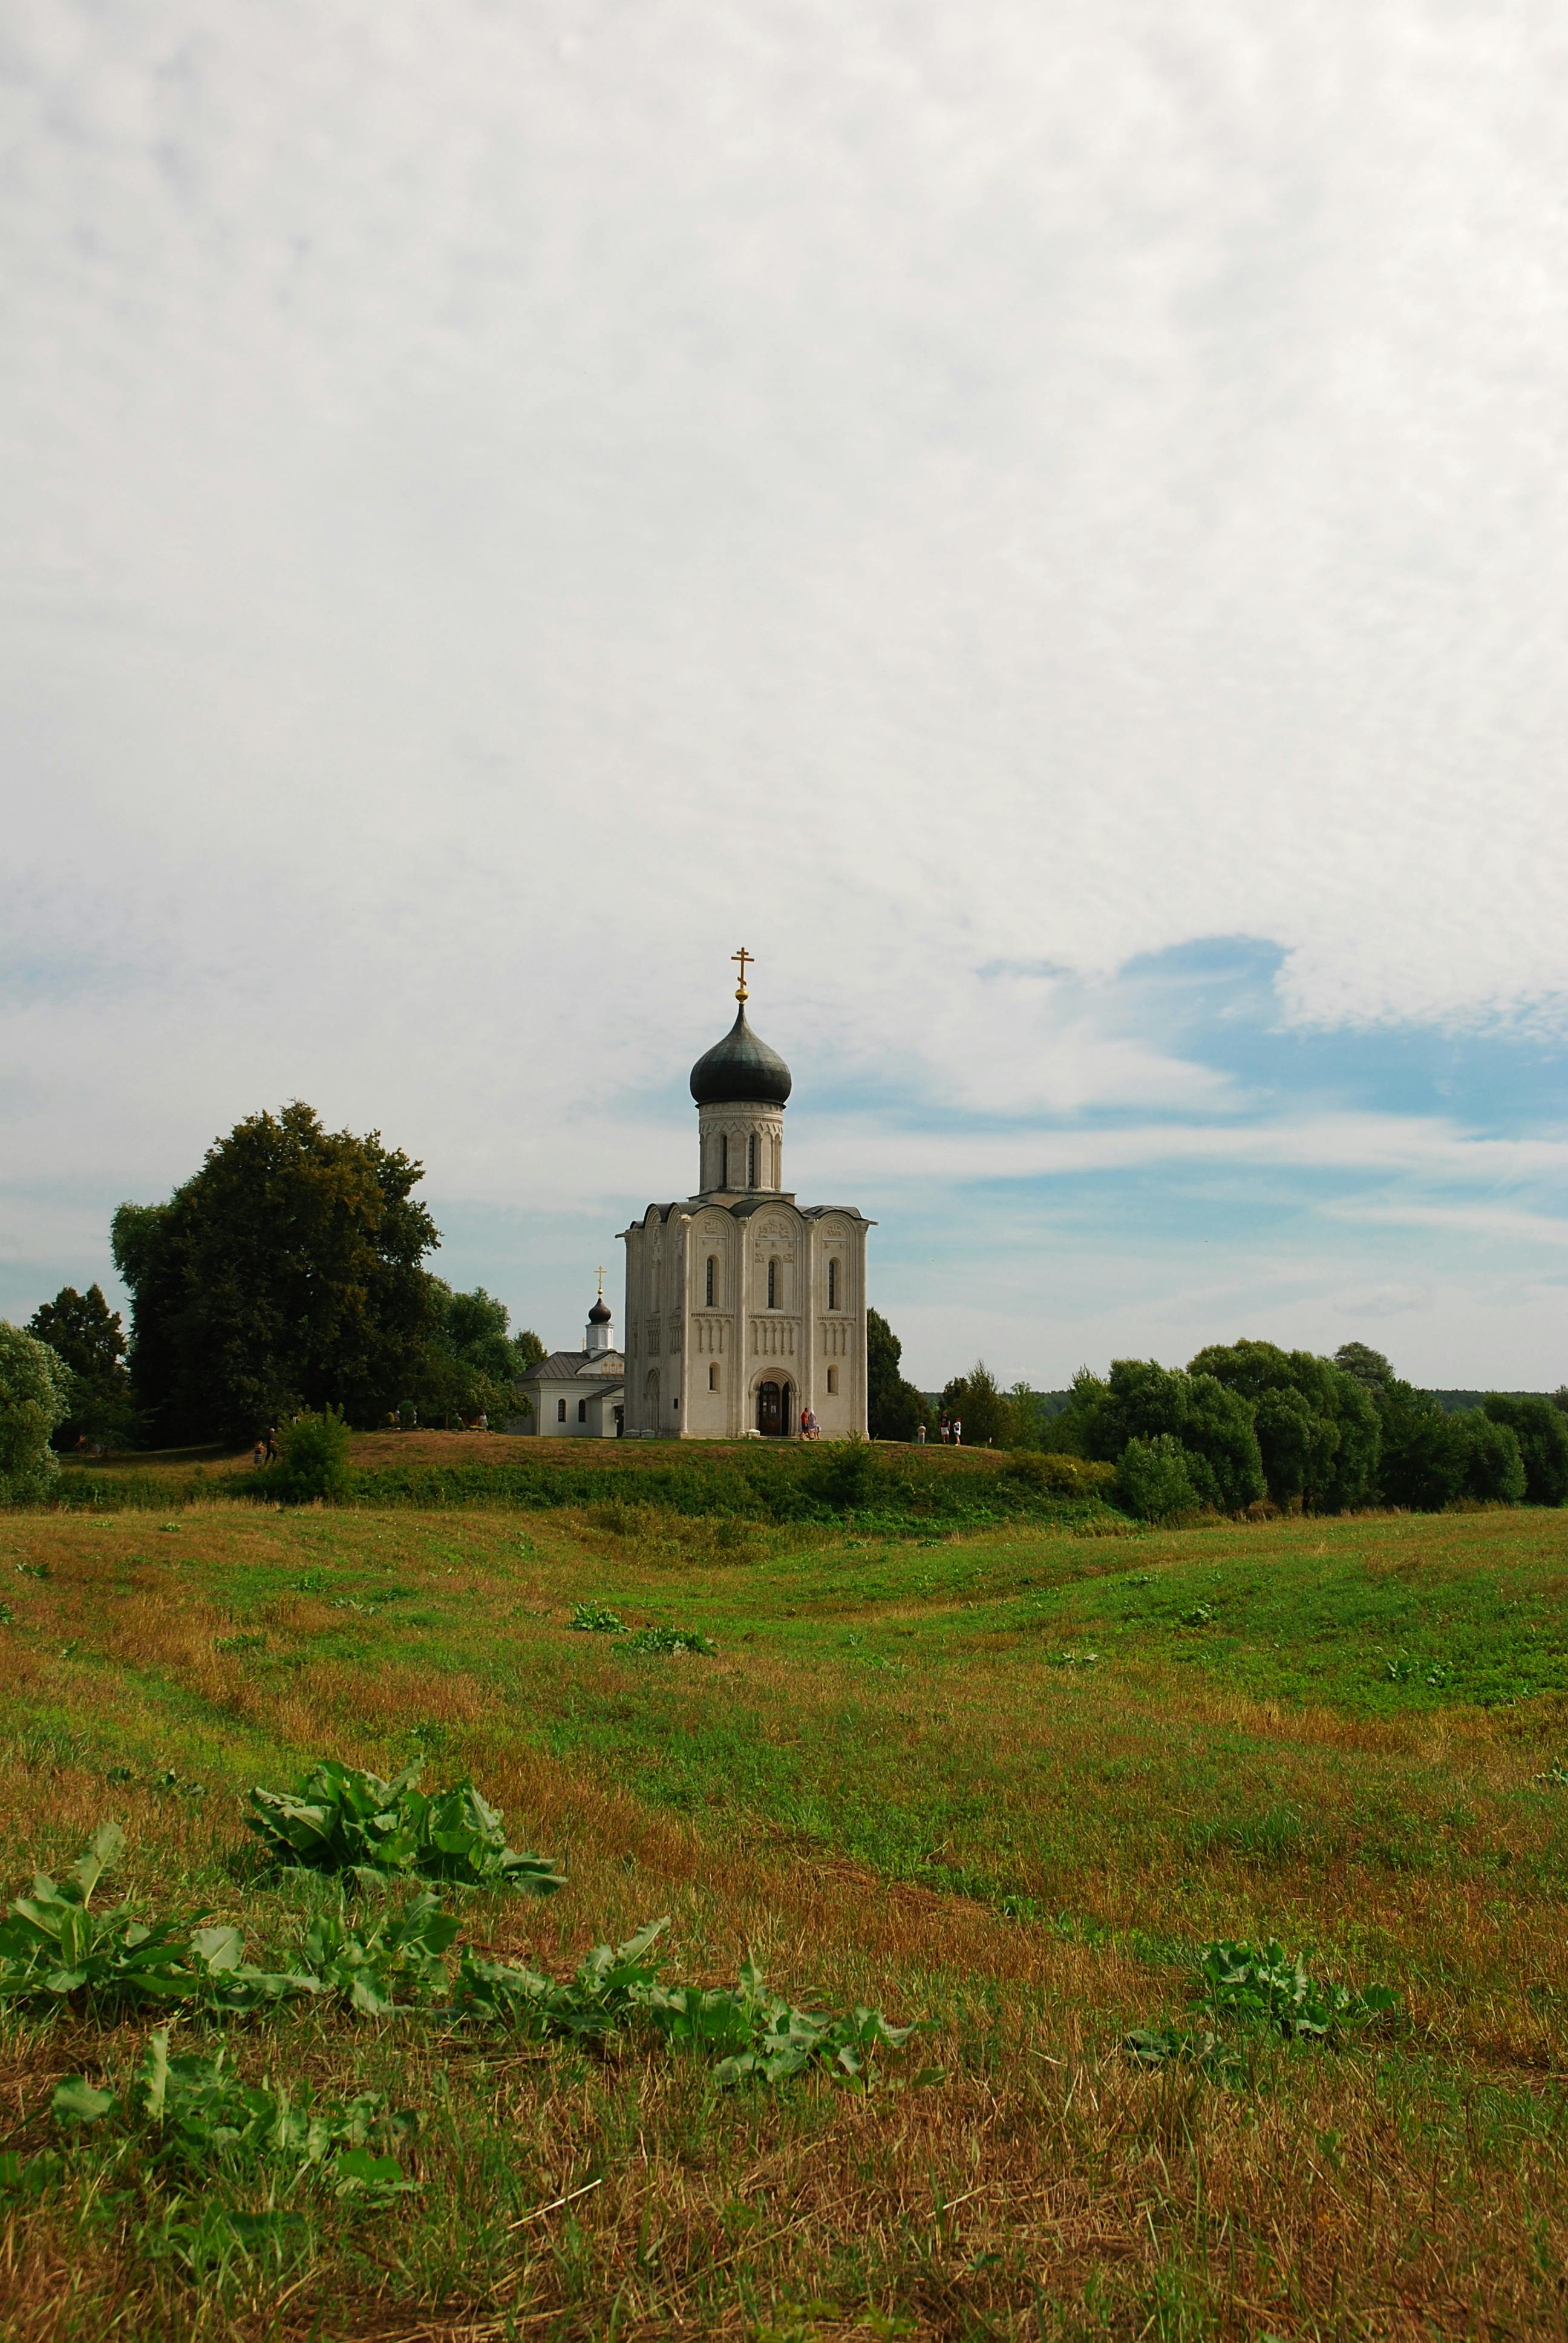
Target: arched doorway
{"x":774,"y":1410}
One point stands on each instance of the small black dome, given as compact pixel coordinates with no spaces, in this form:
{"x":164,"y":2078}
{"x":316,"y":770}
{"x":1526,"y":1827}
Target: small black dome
{"x":740,"y":1068}
{"x":599,"y":1314}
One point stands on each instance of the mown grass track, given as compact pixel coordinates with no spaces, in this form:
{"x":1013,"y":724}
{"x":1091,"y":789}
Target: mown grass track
{"x":904,"y":1780}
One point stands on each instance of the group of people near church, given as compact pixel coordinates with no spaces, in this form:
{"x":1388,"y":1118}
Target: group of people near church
{"x":810,"y":1427}
{"x":952,"y":1430}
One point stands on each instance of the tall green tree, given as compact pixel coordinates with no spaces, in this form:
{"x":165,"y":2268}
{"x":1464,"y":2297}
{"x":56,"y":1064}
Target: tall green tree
{"x":286,"y":1271}
{"x":35,"y":1394}
{"x":895,"y":1410}
{"x":985,"y":1410}
{"x":1140,"y":1400}
{"x":1542,"y":1431}
{"x":1427,"y":1458}
{"x":471,"y":1361}
{"x":1317,"y":1425}
{"x":89,"y":1338}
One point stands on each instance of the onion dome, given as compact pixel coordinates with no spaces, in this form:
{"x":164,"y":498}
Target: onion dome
{"x":599,"y":1314}
{"x":740,"y":1070}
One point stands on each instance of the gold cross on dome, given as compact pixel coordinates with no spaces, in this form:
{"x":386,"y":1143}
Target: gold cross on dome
{"x":601,"y":1281}
{"x":743,"y":956}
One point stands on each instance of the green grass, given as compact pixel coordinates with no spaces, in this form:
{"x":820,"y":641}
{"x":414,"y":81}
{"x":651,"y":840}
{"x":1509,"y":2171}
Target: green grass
{"x":1008,"y":1782}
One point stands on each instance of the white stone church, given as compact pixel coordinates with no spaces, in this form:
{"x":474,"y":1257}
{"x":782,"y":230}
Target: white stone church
{"x":744,"y":1310}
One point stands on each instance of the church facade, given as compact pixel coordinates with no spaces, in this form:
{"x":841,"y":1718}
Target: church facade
{"x":744,"y":1309}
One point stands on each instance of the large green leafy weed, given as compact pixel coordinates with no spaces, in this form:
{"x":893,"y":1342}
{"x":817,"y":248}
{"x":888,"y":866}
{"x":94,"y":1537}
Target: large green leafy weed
{"x":343,"y":1819}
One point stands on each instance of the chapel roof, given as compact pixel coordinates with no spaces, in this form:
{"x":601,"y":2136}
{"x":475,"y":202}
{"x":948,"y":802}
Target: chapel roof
{"x":577,"y":1366}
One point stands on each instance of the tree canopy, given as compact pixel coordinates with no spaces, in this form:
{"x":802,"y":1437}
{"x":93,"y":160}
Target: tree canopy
{"x":286,"y":1272}
{"x":895,"y":1410}
{"x":1141,"y":1399}
{"x":90,"y":1339}
{"x":35,"y":1394}
{"x":1317,"y":1425}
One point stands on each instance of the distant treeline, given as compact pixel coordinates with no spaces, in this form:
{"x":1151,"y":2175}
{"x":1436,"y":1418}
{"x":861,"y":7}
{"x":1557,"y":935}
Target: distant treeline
{"x":1247,"y":1423}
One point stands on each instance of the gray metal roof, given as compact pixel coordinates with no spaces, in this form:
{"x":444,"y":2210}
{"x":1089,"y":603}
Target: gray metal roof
{"x":571,"y":1366}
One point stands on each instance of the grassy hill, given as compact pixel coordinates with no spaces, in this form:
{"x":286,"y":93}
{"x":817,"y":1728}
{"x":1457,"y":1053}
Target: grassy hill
{"x":1005,"y":1782}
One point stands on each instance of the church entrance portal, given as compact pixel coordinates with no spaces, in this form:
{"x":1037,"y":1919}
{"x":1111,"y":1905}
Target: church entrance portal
{"x":775,"y":1411}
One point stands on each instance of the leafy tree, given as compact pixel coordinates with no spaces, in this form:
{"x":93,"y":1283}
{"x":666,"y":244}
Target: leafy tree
{"x":1429,"y":1458}
{"x":895,"y":1410}
{"x":1425,"y":1451}
{"x":470,"y":1361}
{"x":526,"y":1351}
{"x":1542,"y":1435}
{"x":1153,"y":1481}
{"x":1317,"y":1425}
{"x":986,"y":1412}
{"x":1369,"y":1367}
{"x":34,"y":1393}
{"x":87,"y":1335}
{"x":285,"y":1270}
{"x":1493,"y":1468}
{"x":1214,"y":1426}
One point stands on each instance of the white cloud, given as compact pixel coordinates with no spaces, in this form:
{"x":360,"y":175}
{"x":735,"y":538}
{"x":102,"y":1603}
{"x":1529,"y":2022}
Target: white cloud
{"x":504,"y":505}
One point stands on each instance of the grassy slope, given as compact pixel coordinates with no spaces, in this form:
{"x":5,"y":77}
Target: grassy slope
{"x":906,"y":1780}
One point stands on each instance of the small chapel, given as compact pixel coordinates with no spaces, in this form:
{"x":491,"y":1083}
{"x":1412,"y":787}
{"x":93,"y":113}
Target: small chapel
{"x":745,"y":1312}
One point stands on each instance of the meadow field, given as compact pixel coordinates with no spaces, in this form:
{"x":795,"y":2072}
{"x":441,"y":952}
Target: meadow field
{"x":1001,"y":1783}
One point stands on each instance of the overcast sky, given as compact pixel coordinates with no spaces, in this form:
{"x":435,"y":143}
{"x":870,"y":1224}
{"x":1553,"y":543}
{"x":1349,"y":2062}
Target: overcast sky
{"x":1045,"y":522}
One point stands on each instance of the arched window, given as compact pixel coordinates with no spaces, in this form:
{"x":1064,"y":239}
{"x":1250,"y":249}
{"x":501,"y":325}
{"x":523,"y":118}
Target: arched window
{"x":724,"y":1159}
{"x":832,"y":1285}
{"x":751,"y":1160}
{"x":712,"y":1275}
{"x":772,"y":1285}
{"x":832,"y":1379}
{"x":713,"y":1377}
{"x":560,"y":1411}
{"x":582,"y":1411}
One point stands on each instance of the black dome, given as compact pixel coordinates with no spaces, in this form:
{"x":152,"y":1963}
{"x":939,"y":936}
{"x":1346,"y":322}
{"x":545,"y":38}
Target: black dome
{"x":740,"y":1068}
{"x":599,"y":1314}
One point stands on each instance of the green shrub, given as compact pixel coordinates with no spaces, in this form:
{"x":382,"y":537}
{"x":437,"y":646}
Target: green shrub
{"x":1054,"y":1472}
{"x":597,"y":1619}
{"x":1153,"y":1481}
{"x":199,"y":2119}
{"x":313,"y":1458}
{"x":342,"y":1819}
{"x":35,"y":1396}
{"x":1265,"y":1986}
{"x":844,"y":1477}
{"x":670,"y":1640}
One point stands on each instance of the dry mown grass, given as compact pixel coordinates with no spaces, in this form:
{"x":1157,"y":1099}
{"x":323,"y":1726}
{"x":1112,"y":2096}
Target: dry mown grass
{"x":1045,"y":2187}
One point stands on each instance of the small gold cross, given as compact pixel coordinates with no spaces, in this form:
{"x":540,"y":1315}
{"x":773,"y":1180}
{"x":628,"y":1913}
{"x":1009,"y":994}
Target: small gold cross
{"x":601,"y":1281}
{"x":743,"y":956}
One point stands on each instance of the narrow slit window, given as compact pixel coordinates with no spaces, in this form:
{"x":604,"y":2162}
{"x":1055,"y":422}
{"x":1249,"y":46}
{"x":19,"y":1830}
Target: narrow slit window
{"x":772,"y":1285}
{"x":751,"y":1160}
{"x":712,"y":1278}
{"x":713,"y":1378}
{"x":832,"y":1379}
{"x":832,"y":1285}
